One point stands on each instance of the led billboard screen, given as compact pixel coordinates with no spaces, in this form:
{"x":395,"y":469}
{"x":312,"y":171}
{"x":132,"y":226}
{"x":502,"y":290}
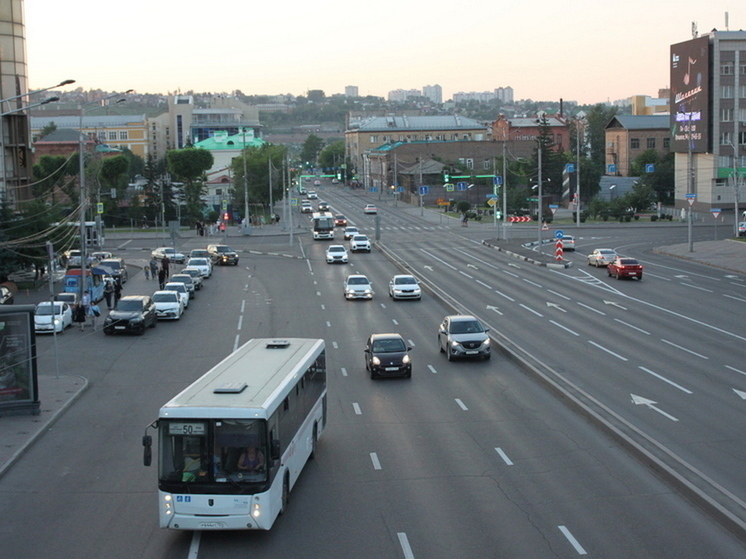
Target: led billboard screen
{"x":690,"y":95}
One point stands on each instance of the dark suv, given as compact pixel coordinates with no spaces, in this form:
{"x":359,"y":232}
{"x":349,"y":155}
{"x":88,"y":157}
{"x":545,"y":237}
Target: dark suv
{"x":387,"y":355}
{"x":132,"y":314}
{"x":222,"y":254}
{"x":462,"y":335}
{"x":117,"y":267}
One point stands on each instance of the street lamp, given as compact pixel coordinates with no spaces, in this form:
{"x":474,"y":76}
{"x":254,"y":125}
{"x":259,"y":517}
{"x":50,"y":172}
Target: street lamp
{"x":611,"y":192}
{"x":81,"y":179}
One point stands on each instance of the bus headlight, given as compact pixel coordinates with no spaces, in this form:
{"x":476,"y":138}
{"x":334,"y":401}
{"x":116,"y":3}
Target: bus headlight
{"x":256,"y":510}
{"x":168,"y":504}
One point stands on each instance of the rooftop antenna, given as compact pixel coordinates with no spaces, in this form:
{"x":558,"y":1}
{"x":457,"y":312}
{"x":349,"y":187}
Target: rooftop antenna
{"x":726,"y":22}
{"x":694,"y":30}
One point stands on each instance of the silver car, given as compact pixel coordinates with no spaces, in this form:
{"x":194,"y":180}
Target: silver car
{"x":358,"y":286}
{"x":404,"y":287}
{"x":601,"y":257}
{"x":463,"y":335}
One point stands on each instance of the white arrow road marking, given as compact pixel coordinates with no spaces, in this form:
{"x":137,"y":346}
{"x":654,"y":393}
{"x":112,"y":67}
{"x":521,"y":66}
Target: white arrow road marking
{"x":740,"y":393}
{"x":513,"y":265}
{"x":640,"y":401}
{"x":472,"y":266}
{"x":428,"y":268}
{"x":615,"y":304}
{"x":491,"y":308}
{"x":556,"y":306}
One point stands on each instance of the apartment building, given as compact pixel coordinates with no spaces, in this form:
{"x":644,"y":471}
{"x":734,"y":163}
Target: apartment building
{"x":628,"y":136}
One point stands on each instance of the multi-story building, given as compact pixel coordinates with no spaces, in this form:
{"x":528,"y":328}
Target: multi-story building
{"x":376,"y":131}
{"x":352,"y":91}
{"x":646,"y":105}
{"x":628,"y":136}
{"x":525,"y":131}
{"x":400,"y":95}
{"x":708,"y":119}
{"x":434,"y":93}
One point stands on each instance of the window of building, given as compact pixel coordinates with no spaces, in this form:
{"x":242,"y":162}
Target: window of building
{"x":726,"y":92}
{"x":725,"y":138}
{"x":374,"y":139}
{"x":634,"y":143}
{"x":124,"y":135}
{"x":651,"y":143}
{"x":112,"y":135}
{"x":742,"y":91}
{"x":666,"y":143}
{"x":469,"y":163}
{"x":218,"y":192}
{"x":742,"y":115}
{"x":102,"y":136}
{"x":726,"y":69}
{"x":726,"y":115}
{"x":743,"y":69}
{"x":486,"y":164}
{"x":742,"y":138}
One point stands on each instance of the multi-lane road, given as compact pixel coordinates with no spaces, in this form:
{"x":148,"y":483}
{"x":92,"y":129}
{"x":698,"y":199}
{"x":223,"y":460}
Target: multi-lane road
{"x":466,"y":459}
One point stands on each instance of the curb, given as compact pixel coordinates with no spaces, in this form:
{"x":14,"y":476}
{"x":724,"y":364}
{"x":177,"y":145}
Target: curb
{"x":551,"y":265}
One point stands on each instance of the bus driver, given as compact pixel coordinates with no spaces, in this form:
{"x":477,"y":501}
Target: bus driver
{"x":251,"y":460}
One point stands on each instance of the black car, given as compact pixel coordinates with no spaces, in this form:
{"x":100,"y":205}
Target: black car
{"x":223,"y":254}
{"x":132,"y":315}
{"x":387,"y":355}
{"x":117,"y":267}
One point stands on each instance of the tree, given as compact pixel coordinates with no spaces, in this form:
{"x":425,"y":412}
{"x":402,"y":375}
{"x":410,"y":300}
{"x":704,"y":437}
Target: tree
{"x":257,"y":164}
{"x":660,"y":181}
{"x":310,"y":150}
{"x":49,"y":172}
{"x":47,"y":130}
{"x":190,"y":165}
{"x":598,"y":118}
{"x":552,"y":161}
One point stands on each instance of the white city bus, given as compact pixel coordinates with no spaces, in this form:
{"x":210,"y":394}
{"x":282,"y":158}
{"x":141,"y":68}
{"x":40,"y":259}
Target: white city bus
{"x":322,"y":224}
{"x":232,"y":445}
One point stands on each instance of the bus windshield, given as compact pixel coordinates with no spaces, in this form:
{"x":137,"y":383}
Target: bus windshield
{"x":198,"y":451}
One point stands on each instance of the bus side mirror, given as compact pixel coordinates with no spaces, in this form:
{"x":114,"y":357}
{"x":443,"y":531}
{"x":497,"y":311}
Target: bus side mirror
{"x":275,"y":450}
{"x":147,"y":456}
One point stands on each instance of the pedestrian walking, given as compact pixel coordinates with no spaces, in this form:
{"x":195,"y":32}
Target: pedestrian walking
{"x":161,"y":278}
{"x":153,"y":267}
{"x":165,"y":262}
{"x":93,"y":313}
{"x":146,"y":269}
{"x":79,"y":315}
{"x":108,"y":292}
{"x":117,"y":291}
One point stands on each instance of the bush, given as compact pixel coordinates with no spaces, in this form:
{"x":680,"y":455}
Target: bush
{"x":653,"y":218}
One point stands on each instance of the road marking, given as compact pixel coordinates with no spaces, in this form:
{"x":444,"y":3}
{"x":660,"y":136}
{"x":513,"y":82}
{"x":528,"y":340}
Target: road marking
{"x":664,"y":379}
{"x":394,"y":321}
{"x":649,"y":275}
{"x":640,"y":401}
{"x":328,"y":324}
{"x":235,"y":343}
{"x":736,"y":298}
{"x":615,"y":304}
{"x":531,"y":310}
{"x":607,"y":350}
{"x":439,"y":260}
{"x":492,"y":308}
{"x":591,"y":308}
{"x":508,"y":297}
{"x":556,"y":306}
{"x":323,"y":307}
{"x":484,"y":284}
{"x":697,"y":287}
{"x":461,"y":404}
{"x":194,"y":546}
{"x":240,"y":322}
{"x":383,"y":305}
{"x":532,"y":283}
{"x":335,"y":345}
{"x":503,"y":456}
{"x":374,"y":459}
{"x":682,"y":348}
{"x":472,"y":266}
{"x":740,"y":393}
{"x":573,"y":541}
{"x":511,"y":274}
{"x":465,"y":274}
{"x":243,"y":306}
{"x":565,"y":328}
{"x":740,"y":372}
{"x":404,"y":543}
{"x":318,"y":293}
{"x":344,"y":372}
{"x":565,"y":297}
{"x":410,"y":342}
{"x":633,"y":327}
{"x":356,"y":407}
{"x":432,"y":369}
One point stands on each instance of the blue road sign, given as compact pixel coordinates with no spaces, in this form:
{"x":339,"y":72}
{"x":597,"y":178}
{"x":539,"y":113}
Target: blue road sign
{"x":650,"y":168}
{"x":498,"y":180}
{"x":559,"y":234}
{"x":374,"y":189}
{"x":570,"y":168}
{"x":400,"y":189}
{"x":424,"y":190}
{"x":611,"y":169}
{"x":461,"y":186}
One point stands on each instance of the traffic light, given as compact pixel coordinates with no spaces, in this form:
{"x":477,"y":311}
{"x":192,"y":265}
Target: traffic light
{"x":446,"y":175}
{"x":226,"y":217}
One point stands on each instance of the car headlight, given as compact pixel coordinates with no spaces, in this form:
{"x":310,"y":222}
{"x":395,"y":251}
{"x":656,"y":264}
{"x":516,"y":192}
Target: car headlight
{"x":375,"y":361}
{"x":486,"y":342}
{"x":405,"y":359}
{"x":454,"y":343}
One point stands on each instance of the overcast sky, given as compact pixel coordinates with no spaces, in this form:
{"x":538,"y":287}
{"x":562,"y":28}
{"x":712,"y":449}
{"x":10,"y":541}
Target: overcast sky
{"x":581,"y":50}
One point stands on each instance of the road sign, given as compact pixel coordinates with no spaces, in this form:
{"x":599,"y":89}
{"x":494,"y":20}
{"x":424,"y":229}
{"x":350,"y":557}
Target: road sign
{"x":293,"y":201}
{"x":491,"y":196}
{"x":497,"y":181}
{"x":553,"y":207}
{"x":461,"y":185}
{"x":716,"y":212}
{"x":691,"y":198}
{"x":400,"y":189}
{"x":492,"y":202}
{"x":570,"y":168}
{"x":100,"y":208}
{"x":611,"y":169}
{"x":532,"y":199}
{"x":374,"y":189}
{"x":423,"y":190}
{"x":559,"y":250}
{"x":519,"y":219}
{"x":558,"y":234}
{"x":449,"y":186}
{"x":650,"y":168}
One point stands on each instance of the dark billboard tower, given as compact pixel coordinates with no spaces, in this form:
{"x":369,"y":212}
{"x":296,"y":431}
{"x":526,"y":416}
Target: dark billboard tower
{"x":690,"y":96}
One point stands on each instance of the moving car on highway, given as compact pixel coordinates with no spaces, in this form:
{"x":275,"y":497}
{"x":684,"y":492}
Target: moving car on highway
{"x":358,"y":286}
{"x":336,"y":253}
{"x":404,"y":287}
{"x":601,"y":257}
{"x":622,"y":267}
{"x":463,"y":336}
{"x":387,"y":355}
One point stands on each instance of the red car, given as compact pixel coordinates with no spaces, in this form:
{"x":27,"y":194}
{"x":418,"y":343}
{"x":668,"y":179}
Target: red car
{"x":622,"y":267}
{"x":340,"y":221}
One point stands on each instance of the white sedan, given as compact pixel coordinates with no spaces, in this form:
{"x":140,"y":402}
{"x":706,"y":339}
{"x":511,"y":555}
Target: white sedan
{"x":404,"y":287}
{"x":370,"y":209}
{"x":173,"y":254}
{"x":336,"y":253}
{"x":168,"y":305}
{"x":202,"y":264}
{"x":601,"y":257}
{"x":181,"y":289}
{"x":48,"y":320}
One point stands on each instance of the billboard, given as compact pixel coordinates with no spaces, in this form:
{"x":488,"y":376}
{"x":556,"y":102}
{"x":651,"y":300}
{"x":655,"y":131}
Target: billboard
{"x":19,"y":392}
{"x":690,"y":96}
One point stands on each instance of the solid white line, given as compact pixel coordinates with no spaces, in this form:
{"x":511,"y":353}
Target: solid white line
{"x":682,"y":348}
{"x":374,"y":459}
{"x":404,"y":543}
{"x":736,"y":298}
{"x":573,"y":541}
{"x":503,"y":295}
{"x":356,"y":407}
{"x":564,"y":328}
{"x":484,"y":284}
{"x":461,"y":404}
{"x":664,"y":379}
{"x":607,"y":350}
{"x":696,"y":287}
{"x":559,"y":294}
{"x":344,"y":372}
{"x":735,"y":370}
{"x":504,"y":456}
{"x":309,"y":266}
{"x":235,"y":344}
{"x":591,"y":308}
{"x":432,"y":369}
{"x":240,"y":322}
{"x":633,"y":327}
{"x":531,"y":310}
{"x":532,"y":283}
{"x":394,"y":321}
{"x":194,"y":546}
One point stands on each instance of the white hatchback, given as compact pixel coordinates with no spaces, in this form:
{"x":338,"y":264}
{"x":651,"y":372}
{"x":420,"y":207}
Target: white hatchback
{"x":360,"y":242}
{"x":48,"y":320}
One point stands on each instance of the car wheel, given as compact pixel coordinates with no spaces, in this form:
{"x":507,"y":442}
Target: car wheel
{"x":487,"y":357}
{"x":449,"y":354}
{"x":141,"y":330}
{"x":639,"y":277}
{"x":589,"y":262}
{"x":608,"y":273}
{"x":618,"y":276}
{"x":107,"y":332}
{"x":285,"y":494}
{"x":440,"y":347}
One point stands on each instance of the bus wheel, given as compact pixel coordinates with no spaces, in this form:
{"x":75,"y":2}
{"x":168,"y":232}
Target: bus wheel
{"x":285,"y":494}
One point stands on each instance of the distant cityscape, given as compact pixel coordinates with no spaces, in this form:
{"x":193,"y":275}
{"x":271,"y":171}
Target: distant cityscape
{"x":434,"y":93}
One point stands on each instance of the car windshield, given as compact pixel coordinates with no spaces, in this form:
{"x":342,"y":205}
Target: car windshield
{"x":336,"y":249}
{"x":113,"y":264}
{"x":405,"y":281}
{"x":125,"y":305}
{"x":224,"y":249}
{"x":180,"y":287}
{"x":358,"y":281}
{"x":628,"y":261}
{"x":166,"y":298}
{"x":181,"y":278}
{"x":197,"y":262}
{"x":360,"y":238}
{"x":389,"y":346}
{"x":46,"y":310}
{"x":465,"y":327}
{"x":606,"y":252}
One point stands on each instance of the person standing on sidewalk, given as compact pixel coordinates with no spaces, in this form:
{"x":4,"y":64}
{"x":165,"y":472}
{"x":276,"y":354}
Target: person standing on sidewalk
{"x":153,"y":267}
{"x":109,"y":292}
{"x":165,"y":263}
{"x":146,"y":269}
{"x":161,"y":278}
